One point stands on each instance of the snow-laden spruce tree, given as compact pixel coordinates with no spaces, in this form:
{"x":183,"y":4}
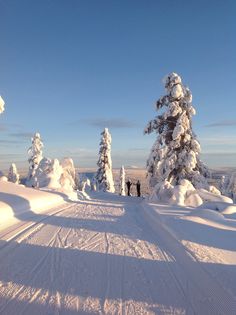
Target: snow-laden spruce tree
{"x":104,"y":175}
{"x":174,"y":167}
{"x":122,"y":181}
{"x":35,"y":157}
{"x":13,"y":175}
{"x":2,"y":103}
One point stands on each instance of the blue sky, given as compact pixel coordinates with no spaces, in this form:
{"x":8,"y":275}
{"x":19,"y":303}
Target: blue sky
{"x":71,"y":68}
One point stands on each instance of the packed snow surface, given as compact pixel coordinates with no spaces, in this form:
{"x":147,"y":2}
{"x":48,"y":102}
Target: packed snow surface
{"x":117,"y":255}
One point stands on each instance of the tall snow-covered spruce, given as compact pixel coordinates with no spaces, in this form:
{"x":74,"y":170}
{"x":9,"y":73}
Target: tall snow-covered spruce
{"x":35,"y":157}
{"x":104,"y":175}
{"x":122,"y":181}
{"x":174,"y":167}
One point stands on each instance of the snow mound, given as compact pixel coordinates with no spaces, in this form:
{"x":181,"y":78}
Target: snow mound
{"x":48,"y":174}
{"x":68,"y":177}
{"x":3,"y":179}
{"x":207,"y":214}
{"x":222,"y":207}
{"x":208,"y":196}
{"x":18,"y":199}
{"x":185,"y":194}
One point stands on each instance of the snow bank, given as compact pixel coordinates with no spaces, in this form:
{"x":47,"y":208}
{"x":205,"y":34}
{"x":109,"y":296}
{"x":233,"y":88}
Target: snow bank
{"x":211,"y":196}
{"x":17,"y":199}
{"x":185,"y":194}
{"x":207,"y":214}
{"x":222,"y":207}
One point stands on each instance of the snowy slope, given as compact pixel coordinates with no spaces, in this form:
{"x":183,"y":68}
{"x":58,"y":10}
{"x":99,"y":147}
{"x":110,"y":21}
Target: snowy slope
{"x":118,"y":255}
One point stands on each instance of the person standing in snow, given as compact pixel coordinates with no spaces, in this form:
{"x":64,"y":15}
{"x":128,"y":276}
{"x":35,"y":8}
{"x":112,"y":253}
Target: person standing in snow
{"x":138,"y":186}
{"x":129,"y":184}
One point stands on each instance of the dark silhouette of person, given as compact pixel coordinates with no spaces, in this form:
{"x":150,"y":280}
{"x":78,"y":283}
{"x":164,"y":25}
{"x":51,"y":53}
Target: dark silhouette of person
{"x":128,"y":184}
{"x":138,"y":186}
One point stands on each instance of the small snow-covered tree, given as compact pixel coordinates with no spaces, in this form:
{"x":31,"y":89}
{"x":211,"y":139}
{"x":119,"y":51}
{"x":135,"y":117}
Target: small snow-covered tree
{"x":35,"y":157}
{"x":224,"y":182}
{"x":48,"y":174}
{"x":13,"y":175}
{"x":122,"y":181}
{"x":2,"y":103}
{"x":104,"y":175}
{"x":175,"y":156}
{"x":230,"y":186}
{"x":68,"y":177}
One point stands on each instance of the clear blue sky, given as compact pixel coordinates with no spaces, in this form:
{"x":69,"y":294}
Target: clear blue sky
{"x":71,"y":68}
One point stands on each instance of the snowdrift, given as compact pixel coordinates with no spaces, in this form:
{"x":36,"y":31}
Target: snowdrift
{"x":185,"y":194}
{"x":17,"y":199}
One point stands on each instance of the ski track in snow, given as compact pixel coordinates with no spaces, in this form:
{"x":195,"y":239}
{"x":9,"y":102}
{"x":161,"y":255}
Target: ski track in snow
{"x":102,"y":257}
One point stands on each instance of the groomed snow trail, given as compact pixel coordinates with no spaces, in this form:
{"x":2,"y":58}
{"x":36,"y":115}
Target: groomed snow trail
{"x":102,"y":257}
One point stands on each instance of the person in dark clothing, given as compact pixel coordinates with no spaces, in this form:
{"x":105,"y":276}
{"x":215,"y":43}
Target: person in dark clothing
{"x":138,"y":186}
{"x":128,"y":184}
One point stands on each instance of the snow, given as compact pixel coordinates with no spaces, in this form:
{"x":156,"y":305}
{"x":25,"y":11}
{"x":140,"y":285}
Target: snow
{"x":113,"y":254}
{"x":48,"y":174}
{"x":16,"y":200}
{"x":2,"y":104}
{"x":68,"y":177}
{"x":209,"y":196}
{"x":13,"y":175}
{"x":205,"y":213}
{"x":223,"y":207}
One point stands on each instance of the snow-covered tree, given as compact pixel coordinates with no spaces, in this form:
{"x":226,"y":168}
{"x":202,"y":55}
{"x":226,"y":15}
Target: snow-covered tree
{"x":122,"y":181}
{"x":48,"y":174}
{"x":175,"y":156}
{"x":35,"y":157}
{"x":223,"y":184}
{"x":230,"y":186}
{"x":68,"y":177}
{"x":104,"y":175}
{"x":2,"y":103}
{"x":13,"y":175}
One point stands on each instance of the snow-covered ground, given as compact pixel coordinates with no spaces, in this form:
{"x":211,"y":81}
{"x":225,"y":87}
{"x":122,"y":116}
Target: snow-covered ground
{"x":114,"y":255}
{"x":18,"y":201}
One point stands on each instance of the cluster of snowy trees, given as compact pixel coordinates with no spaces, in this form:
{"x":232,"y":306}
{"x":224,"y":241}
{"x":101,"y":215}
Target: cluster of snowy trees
{"x":50,"y":173}
{"x":175,"y":171}
{"x":44,"y":172}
